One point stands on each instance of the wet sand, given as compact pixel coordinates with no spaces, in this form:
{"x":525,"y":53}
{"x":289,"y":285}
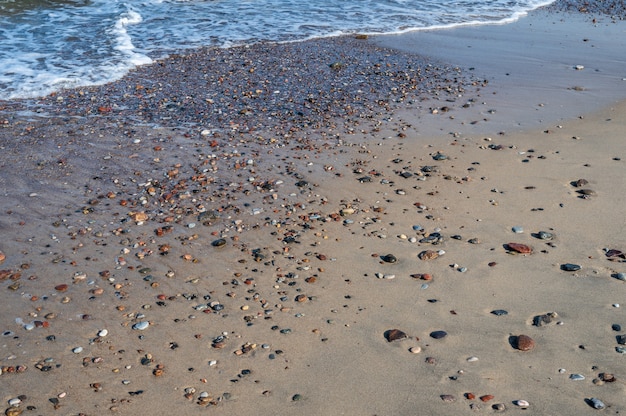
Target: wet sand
{"x":249,"y":226}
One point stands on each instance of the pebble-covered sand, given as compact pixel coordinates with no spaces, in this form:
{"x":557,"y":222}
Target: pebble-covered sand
{"x":266,"y":230}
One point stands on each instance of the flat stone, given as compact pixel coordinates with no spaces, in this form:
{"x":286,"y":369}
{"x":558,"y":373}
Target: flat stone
{"x":447,"y":397}
{"x":499,"y":312}
{"x":570,"y":267}
{"x":524,"y":343}
{"x":519,"y":248}
{"x":394,"y":335}
{"x":596,"y":403}
{"x":545,"y":319}
{"x":518,"y":229}
{"x":389,"y":258}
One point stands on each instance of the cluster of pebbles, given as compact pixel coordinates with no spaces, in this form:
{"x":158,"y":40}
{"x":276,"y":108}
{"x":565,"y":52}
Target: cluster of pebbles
{"x":190,"y":231}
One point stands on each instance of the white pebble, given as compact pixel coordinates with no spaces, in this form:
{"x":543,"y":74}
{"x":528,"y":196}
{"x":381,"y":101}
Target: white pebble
{"x":77,"y":350}
{"x":441,"y":252}
{"x":15,"y":402}
{"x":616,"y":305}
{"x":29,"y":327}
{"x":415,"y":350}
{"x":472,"y":359}
{"x":521,"y":403}
{"x":103,"y":332}
{"x":212,"y":363}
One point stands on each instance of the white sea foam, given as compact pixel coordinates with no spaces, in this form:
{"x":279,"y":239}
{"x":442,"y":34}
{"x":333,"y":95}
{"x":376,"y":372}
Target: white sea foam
{"x":54,"y":45}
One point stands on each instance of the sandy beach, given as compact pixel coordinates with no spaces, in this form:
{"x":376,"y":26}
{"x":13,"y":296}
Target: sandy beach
{"x":426,"y":224}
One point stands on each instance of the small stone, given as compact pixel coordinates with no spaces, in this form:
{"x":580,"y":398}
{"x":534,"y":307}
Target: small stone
{"x":616,"y":327}
{"x":389,"y":258}
{"x":521,"y":404}
{"x":524,"y":343}
{"x":472,"y":359}
{"x":620,"y":276}
{"x":428,"y":255}
{"x":394,"y":335}
{"x":597,"y":403}
{"x":296,"y":397}
{"x":447,"y":397}
{"x":2,"y":257}
{"x":545,"y":319}
{"x":499,"y":312}
{"x":77,"y":350}
{"x":580,"y":182}
{"x":415,"y":350}
{"x":438,"y":334}
{"x":141,"y":325}
{"x":486,"y":398}
{"x":518,"y":229}
{"x":499,"y":407}
{"x":103,"y":333}
{"x":13,"y":411}
{"x":607,"y":377}
{"x":544,"y":235}
{"x":219,"y":242}
{"x":519,"y":248}
{"x":570,"y":267}
{"x":576,"y":377}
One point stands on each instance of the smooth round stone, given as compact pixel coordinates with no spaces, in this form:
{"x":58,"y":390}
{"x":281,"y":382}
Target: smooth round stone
{"x":417,"y":228}
{"x":524,"y":343}
{"x":219,"y":242}
{"x":29,"y":327}
{"x":103,"y":332}
{"x":140,"y":326}
{"x":616,"y":327}
{"x":77,"y":350}
{"x":15,"y":402}
{"x":438,"y":334}
{"x":394,"y":335}
{"x":570,"y":267}
{"x":521,"y":403}
{"x":415,"y":350}
{"x":620,"y":276}
{"x":499,"y":312}
{"x":518,"y":229}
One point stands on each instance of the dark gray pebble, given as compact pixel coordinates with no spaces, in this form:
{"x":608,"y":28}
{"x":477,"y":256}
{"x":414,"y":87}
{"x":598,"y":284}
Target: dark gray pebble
{"x":389,"y":258}
{"x":499,"y":312}
{"x":616,"y":327}
{"x":219,"y":242}
{"x":438,"y":334}
{"x":570,"y":267}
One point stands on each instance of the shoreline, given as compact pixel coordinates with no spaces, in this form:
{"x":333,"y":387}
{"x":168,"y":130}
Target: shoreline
{"x":254,"y":254}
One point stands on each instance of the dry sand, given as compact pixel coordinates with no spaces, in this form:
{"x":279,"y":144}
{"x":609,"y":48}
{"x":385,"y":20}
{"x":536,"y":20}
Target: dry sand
{"x":318,"y":218}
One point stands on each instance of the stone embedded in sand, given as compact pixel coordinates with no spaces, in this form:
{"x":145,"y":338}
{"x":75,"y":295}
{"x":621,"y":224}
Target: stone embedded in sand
{"x":524,"y":343}
{"x":394,"y":335}
{"x":570,"y":267}
{"x":519,"y":248}
{"x":428,"y":255}
{"x":545,"y":319}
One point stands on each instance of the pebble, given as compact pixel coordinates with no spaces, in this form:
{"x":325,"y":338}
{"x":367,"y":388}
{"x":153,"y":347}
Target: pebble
{"x":103,"y":333}
{"x":519,"y":248}
{"x":385,"y":276}
{"x":15,"y":402}
{"x":620,"y":276}
{"x":545,"y":319}
{"x":499,"y":312}
{"x":77,"y":350}
{"x":389,"y":258}
{"x":140,"y":326}
{"x":616,"y":327}
{"x":428,"y":255}
{"x":576,"y":377}
{"x":438,"y":334}
{"x":544,"y":235}
{"x":597,"y":403}
{"x":472,"y":359}
{"x":447,"y":397}
{"x":570,"y":267}
{"x":518,"y":229}
{"x":394,"y":335}
{"x":521,"y":403}
{"x":524,"y":343}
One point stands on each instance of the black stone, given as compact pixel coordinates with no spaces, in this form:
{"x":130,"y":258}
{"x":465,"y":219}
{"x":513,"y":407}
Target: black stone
{"x":438,"y":334}
{"x":499,"y":312}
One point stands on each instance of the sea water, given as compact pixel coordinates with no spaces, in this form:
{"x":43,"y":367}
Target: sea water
{"x":48,"y":45}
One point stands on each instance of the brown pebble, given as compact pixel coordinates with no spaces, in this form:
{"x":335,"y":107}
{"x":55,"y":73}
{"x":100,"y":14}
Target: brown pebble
{"x":486,"y":398}
{"x":2,"y":257}
{"x":395,"y":335}
{"x":61,"y":288}
{"x":524,"y":343}
{"x":430,"y":360}
{"x":519,"y":248}
{"x":301,"y":298}
{"x":428,"y":255}
{"x":470,"y":396}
